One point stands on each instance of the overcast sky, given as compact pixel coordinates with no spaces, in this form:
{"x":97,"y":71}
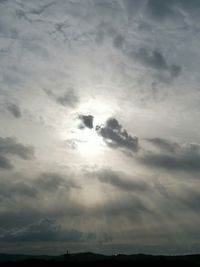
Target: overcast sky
{"x":99,"y":136}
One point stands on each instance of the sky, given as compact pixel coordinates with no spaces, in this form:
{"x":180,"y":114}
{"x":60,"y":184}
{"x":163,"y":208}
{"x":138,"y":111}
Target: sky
{"x":99,"y":136}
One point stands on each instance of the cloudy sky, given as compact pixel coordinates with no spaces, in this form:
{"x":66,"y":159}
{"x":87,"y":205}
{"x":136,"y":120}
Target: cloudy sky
{"x":99,"y":136}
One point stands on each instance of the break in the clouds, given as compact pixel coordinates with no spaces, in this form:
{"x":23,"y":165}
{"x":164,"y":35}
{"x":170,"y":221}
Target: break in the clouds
{"x":81,"y":82}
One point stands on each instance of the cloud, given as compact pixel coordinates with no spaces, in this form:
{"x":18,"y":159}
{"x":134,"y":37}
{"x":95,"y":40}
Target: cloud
{"x":9,"y":146}
{"x":156,"y":60}
{"x":43,"y":230}
{"x":5,"y":163}
{"x":14,"y":110}
{"x":52,"y":181}
{"x":164,"y":144}
{"x":173,"y":156}
{"x":15,"y":188}
{"x":118,"y":41}
{"x":47,"y":230}
{"x":161,"y":10}
{"x":117,"y":137}
{"x":67,"y":99}
{"x":120,"y":180}
{"x":87,"y":121}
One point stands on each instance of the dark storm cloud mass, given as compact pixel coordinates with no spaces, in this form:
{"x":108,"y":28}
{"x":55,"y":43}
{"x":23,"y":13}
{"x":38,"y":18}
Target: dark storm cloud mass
{"x":48,"y":230}
{"x":5,"y":163}
{"x":120,"y":180}
{"x":44,"y":230}
{"x":14,"y":110}
{"x":10,"y":146}
{"x":155,"y":59}
{"x":115,"y":136}
{"x":173,"y":156}
{"x":87,"y":121}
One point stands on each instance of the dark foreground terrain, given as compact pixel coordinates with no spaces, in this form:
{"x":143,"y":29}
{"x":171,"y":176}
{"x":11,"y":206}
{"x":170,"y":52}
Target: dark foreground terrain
{"x":92,"y":259}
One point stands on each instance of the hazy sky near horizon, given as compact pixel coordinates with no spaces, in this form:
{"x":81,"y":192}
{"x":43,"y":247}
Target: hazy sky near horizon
{"x":99,"y":136}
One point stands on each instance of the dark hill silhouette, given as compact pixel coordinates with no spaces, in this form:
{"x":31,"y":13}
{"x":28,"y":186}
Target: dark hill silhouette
{"x":92,"y":259}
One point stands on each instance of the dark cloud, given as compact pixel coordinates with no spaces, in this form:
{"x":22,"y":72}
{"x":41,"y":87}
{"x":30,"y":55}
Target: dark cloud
{"x":191,"y":7}
{"x":164,"y":144}
{"x":52,"y":181}
{"x":14,"y":110}
{"x":175,"y":70}
{"x":5,"y":163}
{"x":129,"y":208}
{"x":133,"y":6}
{"x":9,"y":146}
{"x":115,"y":136}
{"x":87,"y":121}
{"x":173,"y":156}
{"x":44,"y":230}
{"x":118,"y":41}
{"x":49,"y":182}
{"x":161,"y":10}
{"x":120,"y":180}
{"x":48,"y":230}
{"x":17,"y":188}
{"x":172,"y":9}
{"x":155,"y":59}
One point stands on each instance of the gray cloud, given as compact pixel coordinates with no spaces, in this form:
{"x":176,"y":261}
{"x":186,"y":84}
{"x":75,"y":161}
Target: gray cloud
{"x":5,"y":163}
{"x":155,"y":59}
{"x":87,"y":121}
{"x":129,"y":208}
{"x":164,"y":144}
{"x":173,"y":156}
{"x":52,"y":181}
{"x":43,"y":230}
{"x":10,"y":146}
{"x":67,"y":99}
{"x":33,"y":188}
{"x":117,"y":137}
{"x":161,"y":10}
{"x":14,"y":110}
{"x":118,"y":41}
{"x":49,"y":231}
{"x":17,"y":188}
{"x":120,"y":180}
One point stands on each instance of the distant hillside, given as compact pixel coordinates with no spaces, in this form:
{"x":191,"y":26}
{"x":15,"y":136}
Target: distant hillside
{"x":92,"y":258}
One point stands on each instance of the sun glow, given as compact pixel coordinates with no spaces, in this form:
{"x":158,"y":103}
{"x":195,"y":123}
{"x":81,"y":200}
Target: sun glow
{"x":89,"y":143}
